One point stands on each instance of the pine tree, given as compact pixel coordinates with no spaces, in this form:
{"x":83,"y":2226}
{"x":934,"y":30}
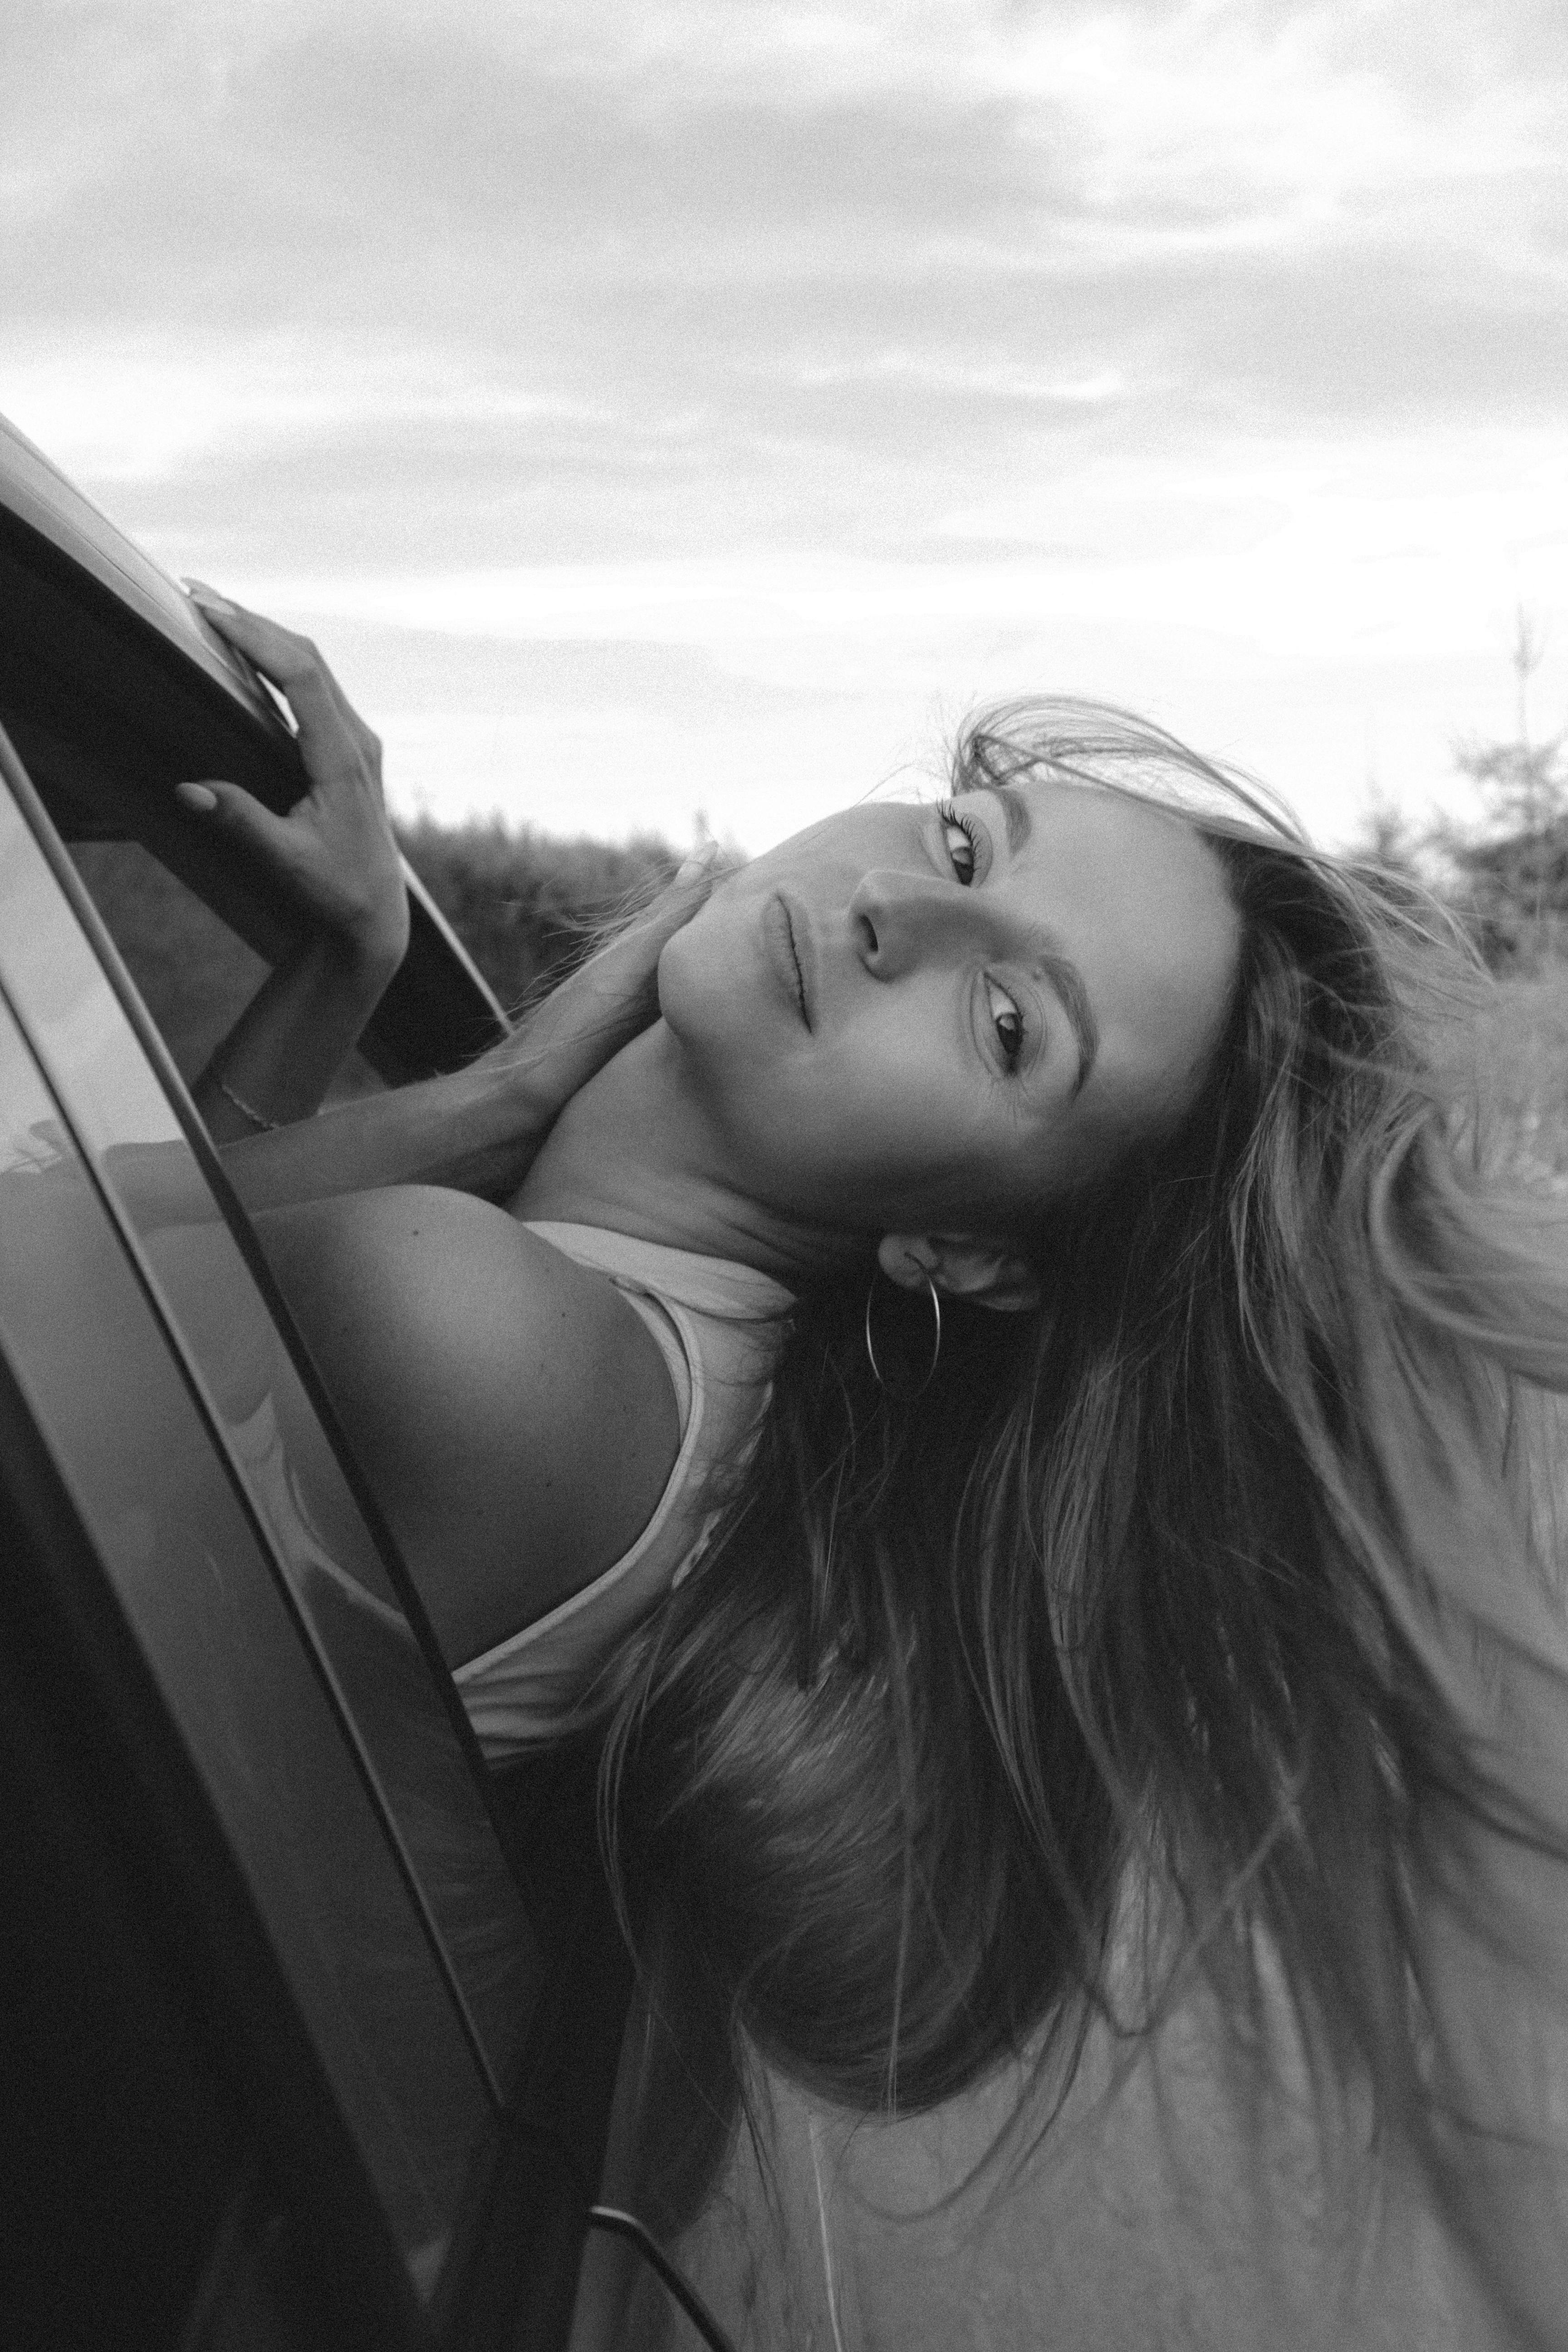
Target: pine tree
{"x":1513,"y":871}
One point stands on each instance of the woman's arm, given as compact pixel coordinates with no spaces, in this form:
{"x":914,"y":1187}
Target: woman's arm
{"x":479,"y":1130}
{"x":287,"y":1046}
{"x":335,"y":856}
{"x":334,"y":852}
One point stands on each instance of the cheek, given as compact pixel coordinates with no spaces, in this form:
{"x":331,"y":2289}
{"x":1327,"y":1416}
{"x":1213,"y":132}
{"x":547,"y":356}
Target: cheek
{"x":705,"y":978}
{"x":876,"y":1125}
{"x":741,"y":1047}
{"x":870,"y":1136}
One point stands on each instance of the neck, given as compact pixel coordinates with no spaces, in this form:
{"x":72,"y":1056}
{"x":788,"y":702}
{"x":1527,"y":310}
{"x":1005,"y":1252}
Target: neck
{"x":635,"y":1151}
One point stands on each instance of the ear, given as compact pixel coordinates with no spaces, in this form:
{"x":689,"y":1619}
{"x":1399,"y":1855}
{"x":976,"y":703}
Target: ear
{"x":987,"y":1274}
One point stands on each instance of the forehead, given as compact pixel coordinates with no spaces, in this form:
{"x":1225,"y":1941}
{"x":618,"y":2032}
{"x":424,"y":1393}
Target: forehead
{"x":1140,"y":902}
{"x":1068,"y":833}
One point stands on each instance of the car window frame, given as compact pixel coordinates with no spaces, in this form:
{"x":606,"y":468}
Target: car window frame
{"x":526,"y":2156}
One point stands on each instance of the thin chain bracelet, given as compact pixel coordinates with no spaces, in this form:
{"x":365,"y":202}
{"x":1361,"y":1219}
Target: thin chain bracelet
{"x":262,"y":1126}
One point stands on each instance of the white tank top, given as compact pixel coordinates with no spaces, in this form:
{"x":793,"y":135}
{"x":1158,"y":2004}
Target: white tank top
{"x":718,"y":1327}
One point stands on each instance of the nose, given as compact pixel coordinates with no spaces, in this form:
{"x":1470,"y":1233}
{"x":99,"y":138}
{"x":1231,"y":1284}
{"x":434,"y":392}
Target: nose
{"x":899,"y":917}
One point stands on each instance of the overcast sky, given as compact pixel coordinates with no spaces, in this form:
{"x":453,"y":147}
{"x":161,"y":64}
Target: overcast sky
{"x":656,"y":407}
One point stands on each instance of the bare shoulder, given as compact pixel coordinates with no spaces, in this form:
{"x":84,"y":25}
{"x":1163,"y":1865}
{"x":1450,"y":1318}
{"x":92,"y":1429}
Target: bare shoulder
{"x":513,"y":1412}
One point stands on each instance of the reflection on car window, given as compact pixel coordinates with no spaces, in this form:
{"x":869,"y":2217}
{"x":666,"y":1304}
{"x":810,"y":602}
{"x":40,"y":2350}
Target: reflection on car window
{"x":265,"y":1439}
{"x":194,"y":974}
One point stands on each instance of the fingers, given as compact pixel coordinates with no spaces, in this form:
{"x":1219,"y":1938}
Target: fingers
{"x":700,"y":872}
{"x":234,"y":810}
{"x":344,"y":875}
{"x":558,"y":1046}
{"x":622,"y":975}
{"x":618,"y":984}
{"x":286,"y":658}
{"x":701,"y":865}
{"x":694,"y":884}
{"x":291,"y":662}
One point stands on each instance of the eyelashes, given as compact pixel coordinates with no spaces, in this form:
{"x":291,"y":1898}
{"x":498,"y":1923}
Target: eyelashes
{"x":964,"y":854}
{"x":1007,"y":1019}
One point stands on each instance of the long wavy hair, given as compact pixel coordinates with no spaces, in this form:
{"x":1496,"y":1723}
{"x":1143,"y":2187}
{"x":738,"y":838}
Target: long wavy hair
{"x":1220,"y":1585}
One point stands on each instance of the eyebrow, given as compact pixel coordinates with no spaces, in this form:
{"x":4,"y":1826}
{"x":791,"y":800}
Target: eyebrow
{"x":1063,"y":976}
{"x":1015,"y":815}
{"x":1060,"y":971}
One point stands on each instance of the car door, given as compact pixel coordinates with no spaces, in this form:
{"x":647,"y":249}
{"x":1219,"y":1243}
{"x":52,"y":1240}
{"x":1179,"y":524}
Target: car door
{"x":312,"y":2034}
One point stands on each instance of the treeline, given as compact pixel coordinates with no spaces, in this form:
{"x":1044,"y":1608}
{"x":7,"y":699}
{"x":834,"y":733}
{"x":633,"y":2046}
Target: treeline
{"x":522,"y":902}
{"x":1508,"y":887}
{"x":1504,"y":871}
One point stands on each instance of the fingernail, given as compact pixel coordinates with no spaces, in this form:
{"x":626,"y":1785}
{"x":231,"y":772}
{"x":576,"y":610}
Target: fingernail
{"x":196,"y":796}
{"x":200,"y":594}
{"x":700,"y":861}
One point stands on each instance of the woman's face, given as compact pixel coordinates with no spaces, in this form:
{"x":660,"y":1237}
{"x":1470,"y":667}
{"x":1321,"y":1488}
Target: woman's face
{"x":932,"y":1018}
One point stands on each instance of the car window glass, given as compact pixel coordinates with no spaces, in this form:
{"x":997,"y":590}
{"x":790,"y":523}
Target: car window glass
{"x":236,"y":1357}
{"x":194,"y":974}
{"x":213,"y":1627}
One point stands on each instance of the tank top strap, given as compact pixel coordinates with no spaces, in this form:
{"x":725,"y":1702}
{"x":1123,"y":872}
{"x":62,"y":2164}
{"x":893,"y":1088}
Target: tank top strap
{"x":714,"y":1286}
{"x":719,"y":1327}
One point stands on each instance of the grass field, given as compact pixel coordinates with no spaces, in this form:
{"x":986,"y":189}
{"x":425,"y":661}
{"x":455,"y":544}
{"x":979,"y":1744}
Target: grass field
{"x":1520,"y":1042}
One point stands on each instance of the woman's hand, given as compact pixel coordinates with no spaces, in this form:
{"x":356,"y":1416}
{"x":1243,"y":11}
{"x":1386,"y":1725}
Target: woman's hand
{"x":334,"y":852}
{"x":479,"y":1130}
{"x":602,"y":1005}
{"x":334,"y":857}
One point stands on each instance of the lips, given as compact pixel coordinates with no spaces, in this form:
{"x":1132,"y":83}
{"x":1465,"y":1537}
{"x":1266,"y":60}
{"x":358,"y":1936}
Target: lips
{"x":785,"y":944}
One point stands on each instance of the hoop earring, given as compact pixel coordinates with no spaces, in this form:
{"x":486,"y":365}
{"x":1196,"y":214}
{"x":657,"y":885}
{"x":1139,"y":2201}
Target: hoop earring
{"x":905,"y":1396}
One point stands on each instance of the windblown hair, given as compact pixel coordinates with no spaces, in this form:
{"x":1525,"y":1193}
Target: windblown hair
{"x":1217,"y":1578}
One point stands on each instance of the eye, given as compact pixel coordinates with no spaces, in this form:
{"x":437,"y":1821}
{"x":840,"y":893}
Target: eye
{"x":959,"y":835}
{"x":1007,"y":1022}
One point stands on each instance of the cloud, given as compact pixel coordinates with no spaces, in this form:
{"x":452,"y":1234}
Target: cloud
{"x":383,"y":162}
{"x":1242,"y":551}
{"x":806,"y":341}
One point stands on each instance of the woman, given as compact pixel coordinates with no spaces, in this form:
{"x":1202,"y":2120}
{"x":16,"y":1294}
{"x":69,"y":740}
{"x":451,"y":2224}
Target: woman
{"x":1160,"y":1655}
